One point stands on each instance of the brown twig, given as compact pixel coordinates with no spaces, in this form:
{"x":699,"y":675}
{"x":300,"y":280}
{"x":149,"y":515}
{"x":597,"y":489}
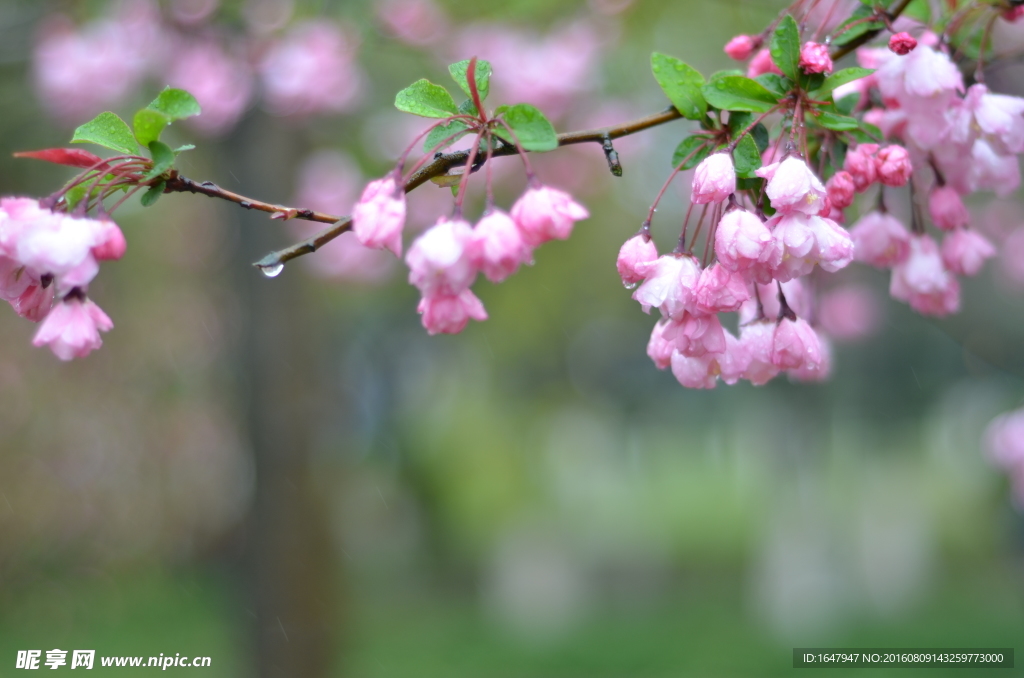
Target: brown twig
{"x":867,"y":37}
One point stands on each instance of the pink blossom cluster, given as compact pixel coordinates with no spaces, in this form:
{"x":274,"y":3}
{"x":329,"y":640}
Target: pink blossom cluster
{"x":444,"y":261}
{"x":757,"y":272}
{"x":1004,"y":442}
{"x":47,"y":260}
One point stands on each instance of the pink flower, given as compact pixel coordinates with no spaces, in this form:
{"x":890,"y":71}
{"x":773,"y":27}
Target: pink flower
{"x":947,"y":209}
{"x":635,"y":257}
{"x":660,"y":349}
{"x":806,"y":240}
{"x":1004,"y":440}
{"x":922,"y":281}
{"x":880,"y":240}
{"x":696,"y":335}
{"x":110,"y":243}
{"x":894,"y":166}
{"x":734,"y":361}
{"x":72,"y":328}
{"x":814,"y":58}
{"x":840,"y":189}
{"x":497,"y":247}
{"x":714,"y":180}
{"x":902,"y":43}
{"x":793,"y":187}
{"x":744,"y":243}
{"x":721,"y":290}
{"x":449,"y":313}
{"x":964,"y":251}
{"x":998,"y":118}
{"x":849,"y":313}
{"x":379,"y":216}
{"x":860,"y":163}
{"x":439,"y":260}
{"x":691,"y":372}
{"x":544,"y":213}
{"x":414,"y":22}
{"x":741,"y":47}
{"x":815,"y":372}
{"x":670,"y":285}
{"x":756,"y":341}
{"x":795,"y":345}
{"x":1013,"y":13}
{"x":762,"y":63}
{"x":35,"y":302}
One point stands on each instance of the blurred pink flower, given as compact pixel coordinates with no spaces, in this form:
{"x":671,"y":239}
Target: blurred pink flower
{"x":72,"y":328}
{"x":849,"y":313}
{"x":192,"y":12}
{"x":220,"y":82}
{"x":415,"y":22}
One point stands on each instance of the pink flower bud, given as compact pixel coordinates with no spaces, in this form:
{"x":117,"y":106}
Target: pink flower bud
{"x":880,"y":240}
{"x":721,"y":290}
{"x":670,"y":285}
{"x":860,"y":163}
{"x":947,"y":209}
{"x":546,"y":213}
{"x":894,"y":166}
{"x":793,"y":187}
{"x":660,"y":349}
{"x":743,"y":243}
{"x":814,"y":58}
{"x":964,"y":251}
{"x":741,"y":47}
{"x":841,"y":189}
{"x":449,"y":313}
{"x":635,"y":257}
{"x":762,"y":63}
{"x":72,"y":329}
{"x":714,"y":180}
{"x":696,"y":334}
{"x":379,"y":216}
{"x":497,"y":247}
{"x":439,"y":260}
{"x":795,"y":345}
{"x":1013,"y":13}
{"x":110,"y":242}
{"x":923,"y":281}
{"x":902,"y":43}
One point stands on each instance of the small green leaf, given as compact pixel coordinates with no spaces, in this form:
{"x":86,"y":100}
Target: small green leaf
{"x":467,"y":107}
{"x":442,"y":132}
{"x":109,"y":131}
{"x":163,"y":159}
{"x":785,"y":47}
{"x":534,"y":131}
{"x":149,"y":125}
{"x":836,"y":122}
{"x":681,"y":84}
{"x":153,"y":193}
{"x":74,"y":195}
{"x":739,"y":93}
{"x":739,"y":122}
{"x":847,"y":103}
{"x":426,"y":99}
{"x":838,"y":79}
{"x":746,"y":157}
{"x":483,"y":77}
{"x":176,"y":104}
{"x":182,"y":149}
{"x":696,"y":148}
{"x":752,"y":184}
{"x":775,"y":83}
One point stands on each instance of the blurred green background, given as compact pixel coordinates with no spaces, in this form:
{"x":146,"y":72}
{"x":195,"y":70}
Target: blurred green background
{"x":291,"y":477}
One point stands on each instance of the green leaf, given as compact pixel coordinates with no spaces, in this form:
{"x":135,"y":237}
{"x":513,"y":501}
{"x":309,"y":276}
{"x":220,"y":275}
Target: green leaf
{"x":109,"y":131}
{"x":467,"y":107}
{"x":74,"y":195}
{"x":739,"y":93}
{"x":696,"y":148}
{"x":176,"y":104}
{"x":149,"y":125}
{"x":749,"y":184}
{"x":785,"y":47}
{"x":847,"y":103}
{"x":746,"y":157}
{"x":836,"y":122}
{"x":482,"y":77}
{"x":426,"y":99}
{"x":775,"y":83}
{"x":682,"y":85}
{"x":840,"y":78}
{"x":920,"y":10}
{"x":163,"y":159}
{"x":532,"y":129}
{"x":153,"y":194}
{"x":442,"y":132}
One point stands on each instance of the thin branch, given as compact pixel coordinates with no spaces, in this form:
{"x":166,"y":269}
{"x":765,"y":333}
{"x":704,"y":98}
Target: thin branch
{"x":870,"y":35}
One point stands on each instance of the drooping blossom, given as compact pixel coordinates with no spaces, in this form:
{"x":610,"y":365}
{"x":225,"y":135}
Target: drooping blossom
{"x":635,"y":257}
{"x":744,"y":243}
{"x":849,"y":313}
{"x":756,"y":341}
{"x":714,"y":180}
{"x":449,"y":313}
{"x":860,"y":163}
{"x":721,"y":290}
{"x":902,"y":43}
{"x":695,"y":334}
{"x":840,"y":189}
{"x":964,"y":251}
{"x":379,"y":216}
{"x":814,"y":58}
{"x":807,"y":240}
{"x":880,"y":239}
{"x":544,"y":213}
{"x":796,"y":346}
{"x":670,"y":284}
{"x":894,"y":166}
{"x":815,"y":371}
{"x":947,"y":209}
{"x":497,"y":247}
{"x":660,"y":349}
{"x":440,"y":260}
{"x":695,"y":372}
{"x":922,"y":280}
{"x":741,"y":47}
{"x":72,"y":328}
{"x":793,"y":187}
